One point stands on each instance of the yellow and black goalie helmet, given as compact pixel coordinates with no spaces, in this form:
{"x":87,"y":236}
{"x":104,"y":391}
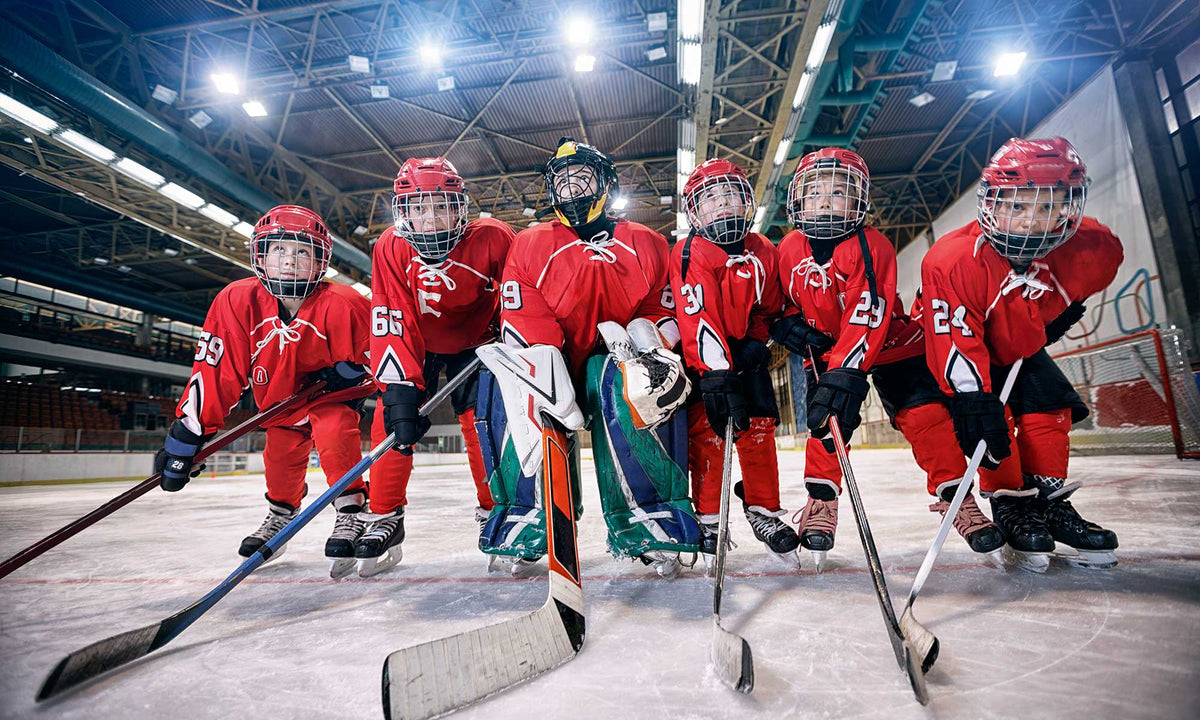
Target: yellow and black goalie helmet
{"x":579,"y":180}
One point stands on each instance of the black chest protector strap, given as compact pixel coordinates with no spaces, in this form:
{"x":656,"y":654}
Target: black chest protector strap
{"x":685,"y":256}
{"x":868,"y":266}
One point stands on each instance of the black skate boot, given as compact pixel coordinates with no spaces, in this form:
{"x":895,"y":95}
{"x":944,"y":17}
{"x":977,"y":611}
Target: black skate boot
{"x":378,"y":548}
{"x":347,"y":527}
{"x":818,"y":521}
{"x":775,"y":534}
{"x":983,"y":535}
{"x":1090,"y":546}
{"x":1024,"y":525}
{"x":278,"y":515}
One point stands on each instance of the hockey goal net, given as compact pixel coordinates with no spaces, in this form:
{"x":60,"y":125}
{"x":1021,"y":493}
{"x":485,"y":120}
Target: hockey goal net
{"x":1142,"y":395}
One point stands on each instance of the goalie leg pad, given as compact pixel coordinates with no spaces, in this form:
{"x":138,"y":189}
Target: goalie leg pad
{"x":641,"y":473}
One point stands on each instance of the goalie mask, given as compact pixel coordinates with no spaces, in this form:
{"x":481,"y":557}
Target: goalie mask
{"x":579,"y":180}
{"x":430,"y":206}
{"x":719,"y":202}
{"x":289,"y":251}
{"x":828,"y":198}
{"x":1031,"y":198}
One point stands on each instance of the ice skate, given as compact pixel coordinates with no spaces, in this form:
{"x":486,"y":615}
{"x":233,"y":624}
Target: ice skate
{"x":981,"y":534}
{"x":666,"y":563}
{"x":708,"y":540}
{"x":1079,"y":543}
{"x":347,"y":527}
{"x":776,"y":535}
{"x":1023,"y":522}
{"x":279,"y":515}
{"x":378,"y":549}
{"x":818,"y":524}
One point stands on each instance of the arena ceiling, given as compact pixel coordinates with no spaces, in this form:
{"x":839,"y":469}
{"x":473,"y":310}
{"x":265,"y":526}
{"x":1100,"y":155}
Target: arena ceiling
{"x":329,"y":141}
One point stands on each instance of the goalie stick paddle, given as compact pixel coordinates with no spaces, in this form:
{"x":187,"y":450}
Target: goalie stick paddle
{"x":100,"y":657}
{"x":441,"y":676}
{"x":906,"y":655}
{"x":218,"y":443}
{"x":730,"y":653}
{"x":921,"y":638}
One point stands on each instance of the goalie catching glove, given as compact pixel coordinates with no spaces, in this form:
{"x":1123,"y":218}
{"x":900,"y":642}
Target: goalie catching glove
{"x":654,"y":381}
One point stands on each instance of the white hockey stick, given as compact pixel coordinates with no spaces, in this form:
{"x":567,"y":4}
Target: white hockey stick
{"x":438,"y":677}
{"x":730,"y":653}
{"x":923,"y":641}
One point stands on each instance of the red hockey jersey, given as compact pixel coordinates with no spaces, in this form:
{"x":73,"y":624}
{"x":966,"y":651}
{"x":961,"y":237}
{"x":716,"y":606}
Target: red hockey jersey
{"x":724,"y":297}
{"x":446,"y":307}
{"x":558,"y":288}
{"x":977,"y":311}
{"x":835,"y":297}
{"x":246,"y":344}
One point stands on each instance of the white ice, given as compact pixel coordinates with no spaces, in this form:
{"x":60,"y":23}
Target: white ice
{"x":291,"y":643}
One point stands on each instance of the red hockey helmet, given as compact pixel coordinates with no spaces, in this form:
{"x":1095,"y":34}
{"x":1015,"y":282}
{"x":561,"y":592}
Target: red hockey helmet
{"x":430,"y":206}
{"x":719,"y":202}
{"x":829,"y":196}
{"x":1031,"y":197}
{"x":290,"y":250}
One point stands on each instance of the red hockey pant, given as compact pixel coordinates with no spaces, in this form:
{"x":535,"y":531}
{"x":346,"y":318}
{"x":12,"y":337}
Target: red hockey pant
{"x":756,"y":455}
{"x":390,"y":474}
{"x":333,"y":428}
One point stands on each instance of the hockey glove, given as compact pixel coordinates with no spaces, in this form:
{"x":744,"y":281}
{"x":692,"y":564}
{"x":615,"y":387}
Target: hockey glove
{"x":723,"y":401}
{"x":1056,"y":328}
{"x":840,"y":392}
{"x":750,"y":355}
{"x":980,"y":416}
{"x":341,"y":375}
{"x":175,"y":459}
{"x":798,"y":336}
{"x":402,"y":417}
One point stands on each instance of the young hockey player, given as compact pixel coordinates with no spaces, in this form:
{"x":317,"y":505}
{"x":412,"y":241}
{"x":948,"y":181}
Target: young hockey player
{"x":563,"y":280}
{"x":999,"y":289}
{"x":276,"y":333}
{"x":726,"y":280}
{"x":435,"y":291}
{"x":839,"y":277}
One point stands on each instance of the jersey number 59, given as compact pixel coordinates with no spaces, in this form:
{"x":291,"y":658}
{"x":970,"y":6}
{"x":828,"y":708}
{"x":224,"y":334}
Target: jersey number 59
{"x":210,"y":348}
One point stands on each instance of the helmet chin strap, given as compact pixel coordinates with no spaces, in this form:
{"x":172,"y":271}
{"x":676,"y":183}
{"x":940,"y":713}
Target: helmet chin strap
{"x":602,"y":224}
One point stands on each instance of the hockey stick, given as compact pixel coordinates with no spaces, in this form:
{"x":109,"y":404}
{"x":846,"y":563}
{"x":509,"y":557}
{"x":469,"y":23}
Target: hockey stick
{"x":217,"y":444}
{"x":906,"y":655}
{"x":110,"y":653}
{"x":730,"y":653}
{"x":440,"y":676}
{"x":922,"y":639}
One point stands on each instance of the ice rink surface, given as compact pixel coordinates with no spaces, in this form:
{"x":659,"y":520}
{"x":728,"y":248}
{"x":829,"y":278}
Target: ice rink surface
{"x":291,"y":643}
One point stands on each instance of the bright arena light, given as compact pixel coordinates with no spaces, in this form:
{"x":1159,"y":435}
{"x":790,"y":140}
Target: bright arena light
{"x":226,"y":83}
{"x":584,"y":63}
{"x":579,"y":30}
{"x":254,"y":109}
{"x":26,"y":115}
{"x":430,"y":53}
{"x":1008,"y":64}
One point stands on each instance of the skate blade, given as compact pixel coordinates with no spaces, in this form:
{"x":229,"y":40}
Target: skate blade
{"x":1087,"y":559}
{"x":668,"y":569}
{"x":373,"y":566}
{"x":790,"y":559}
{"x":819,"y":559}
{"x":996,"y":558}
{"x":342,"y":567}
{"x":522,"y":568}
{"x":709,"y":562}
{"x":1027,"y":561}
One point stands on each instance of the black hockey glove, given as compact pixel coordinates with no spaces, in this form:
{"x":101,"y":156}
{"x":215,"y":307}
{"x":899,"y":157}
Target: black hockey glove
{"x":341,"y":375}
{"x":1056,"y":328}
{"x":723,"y":401}
{"x":840,"y":392}
{"x":750,"y":355}
{"x":980,"y":416}
{"x":401,"y":416}
{"x":798,"y":336}
{"x":177,"y":456}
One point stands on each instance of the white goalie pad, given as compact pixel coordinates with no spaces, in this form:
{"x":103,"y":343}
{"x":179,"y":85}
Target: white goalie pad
{"x":532,"y":380}
{"x":654,"y":379}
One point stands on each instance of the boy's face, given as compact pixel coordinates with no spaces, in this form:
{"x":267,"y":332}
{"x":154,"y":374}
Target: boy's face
{"x":1029,"y":211}
{"x":721,"y":201}
{"x":829,"y":192}
{"x":575,"y":181}
{"x":429,"y":213}
{"x":289,"y":260}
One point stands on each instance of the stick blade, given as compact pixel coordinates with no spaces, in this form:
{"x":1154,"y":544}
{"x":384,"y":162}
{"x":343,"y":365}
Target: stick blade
{"x":923,"y":643}
{"x":441,"y":676}
{"x":916,"y":676}
{"x":732,"y":659}
{"x":98,"y":658}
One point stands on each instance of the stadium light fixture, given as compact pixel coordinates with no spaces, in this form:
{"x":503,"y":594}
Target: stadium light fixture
{"x":181,"y":195}
{"x":820,"y":46}
{"x":226,"y":83}
{"x":86,"y":145}
{"x":944,"y":71}
{"x":200,"y":119}
{"x":244,"y":229}
{"x":782,"y":153}
{"x":430,"y":53}
{"x":579,"y":30}
{"x":1008,"y":64}
{"x":380,"y":91}
{"x":359,"y":64}
{"x":656,"y":53}
{"x":484,"y":214}
{"x":140,"y":172}
{"x":170,"y":252}
{"x":254,"y":109}
{"x":690,"y":62}
{"x":585,"y":62}
{"x":804,"y":89}
{"x":445,"y":84}
{"x":980,"y":94}
{"x":921,"y":99}
{"x":26,"y":115}
{"x":219,"y":215}
{"x":620,"y":202}
{"x":656,"y":22}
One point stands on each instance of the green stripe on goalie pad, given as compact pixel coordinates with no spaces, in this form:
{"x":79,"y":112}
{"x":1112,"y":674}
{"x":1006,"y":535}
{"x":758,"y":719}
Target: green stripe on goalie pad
{"x":516,"y":525}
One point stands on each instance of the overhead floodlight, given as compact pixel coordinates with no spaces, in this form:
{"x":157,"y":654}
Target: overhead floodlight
{"x":430,"y":53}
{"x":484,"y":214}
{"x":99,"y":261}
{"x":219,"y":215}
{"x":86,"y":145}
{"x":362,"y":289}
{"x":200,"y":119}
{"x":759,"y":215}
{"x":804,"y":89}
{"x":756,"y":138}
{"x":254,"y":109}
{"x":170,"y":252}
{"x":685,"y":160}
{"x":691,"y":19}
{"x":1008,"y":64}
{"x":226,"y":83}
{"x":579,"y":30}
{"x":584,"y":63}
{"x":182,"y":195}
{"x":782,"y":153}
{"x":190,"y":261}
{"x":690,"y":62}
{"x":656,"y":22}
{"x":944,"y":71}
{"x":244,"y":229}
{"x":980,"y":94}
{"x":359,"y":64}
{"x":331,"y":273}
{"x":164,"y":94}
{"x":720,"y":121}
{"x":26,"y":115}
{"x":140,"y":172}
{"x":528,"y":212}
{"x":664,"y":199}
{"x":124,"y":269}
{"x":656,"y":53}
{"x":359,"y":230}
{"x":380,"y":92}
{"x":820,"y":46}
{"x":620,"y":202}
{"x":922,"y":99}
{"x":445,"y":83}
